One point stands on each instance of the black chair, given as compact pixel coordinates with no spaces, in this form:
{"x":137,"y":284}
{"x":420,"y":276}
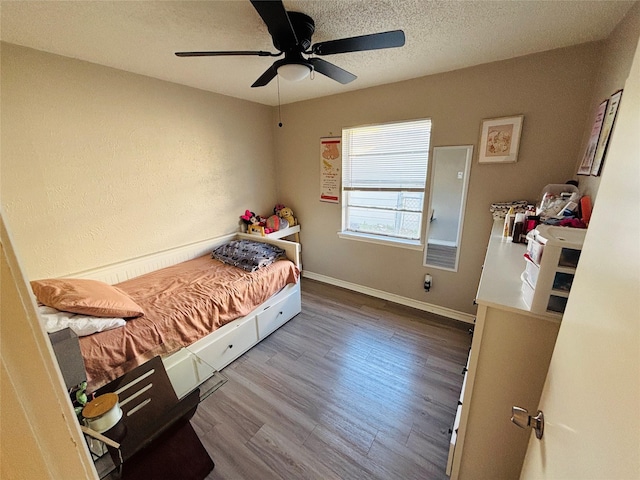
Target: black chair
{"x":156,"y":438}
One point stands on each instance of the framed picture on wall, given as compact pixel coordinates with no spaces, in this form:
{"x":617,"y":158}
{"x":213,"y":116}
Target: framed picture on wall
{"x":607,"y":128}
{"x":590,"y":151}
{"x":500,"y":139}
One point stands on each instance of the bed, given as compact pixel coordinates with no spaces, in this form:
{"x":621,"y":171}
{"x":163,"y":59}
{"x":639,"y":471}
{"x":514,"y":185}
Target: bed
{"x":198,"y":314}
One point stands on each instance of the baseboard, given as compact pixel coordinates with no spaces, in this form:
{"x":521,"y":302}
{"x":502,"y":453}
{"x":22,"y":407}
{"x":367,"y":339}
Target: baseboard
{"x":409,"y":302}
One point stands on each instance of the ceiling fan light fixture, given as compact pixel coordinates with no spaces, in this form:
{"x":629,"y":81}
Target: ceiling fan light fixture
{"x":291,"y":33}
{"x":294,"y":72}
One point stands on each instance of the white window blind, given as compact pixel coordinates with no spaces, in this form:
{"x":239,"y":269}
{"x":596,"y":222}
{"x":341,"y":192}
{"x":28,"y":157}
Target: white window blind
{"x":384,"y":173}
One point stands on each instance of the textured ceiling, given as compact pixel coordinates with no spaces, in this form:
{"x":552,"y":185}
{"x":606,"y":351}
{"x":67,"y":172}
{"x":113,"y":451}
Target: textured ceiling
{"x":441,"y":35}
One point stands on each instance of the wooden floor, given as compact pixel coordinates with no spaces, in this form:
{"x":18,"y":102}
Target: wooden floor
{"x":351,"y":388}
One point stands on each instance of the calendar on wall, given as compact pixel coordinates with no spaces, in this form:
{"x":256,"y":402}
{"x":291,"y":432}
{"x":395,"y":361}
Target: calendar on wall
{"x":330,"y":169}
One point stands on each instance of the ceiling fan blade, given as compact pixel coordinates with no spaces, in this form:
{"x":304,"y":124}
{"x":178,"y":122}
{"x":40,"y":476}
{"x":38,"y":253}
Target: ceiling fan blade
{"x":266,"y":77}
{"x":277,"y":20}
{"x":332,"y":71}
{"x":227,"y":53}
{"x":375,"y":41}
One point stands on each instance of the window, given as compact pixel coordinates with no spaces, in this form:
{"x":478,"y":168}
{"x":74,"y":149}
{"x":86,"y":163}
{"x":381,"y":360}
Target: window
{"x":384,"y":172}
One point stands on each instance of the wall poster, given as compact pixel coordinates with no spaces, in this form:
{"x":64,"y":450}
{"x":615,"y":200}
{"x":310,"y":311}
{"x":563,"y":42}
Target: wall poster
{"x":607,"y":127}
{"x":330,"y":169}
{"x":590,"y":152}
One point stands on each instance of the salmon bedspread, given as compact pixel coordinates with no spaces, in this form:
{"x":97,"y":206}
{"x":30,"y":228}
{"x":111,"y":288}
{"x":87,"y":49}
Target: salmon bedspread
{"x":182,"y":304}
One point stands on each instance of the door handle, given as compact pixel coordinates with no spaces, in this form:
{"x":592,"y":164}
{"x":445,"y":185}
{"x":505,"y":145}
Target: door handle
{"x":520,"y":417}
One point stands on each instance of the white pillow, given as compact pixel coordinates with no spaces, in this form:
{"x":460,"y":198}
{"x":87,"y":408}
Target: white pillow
{"x":82,"y":325}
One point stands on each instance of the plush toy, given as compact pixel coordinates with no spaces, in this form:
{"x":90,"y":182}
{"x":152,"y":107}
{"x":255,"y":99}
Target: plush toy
{"x":249,"y":218}
{"x":263,"y":224}
{"x":281,"y":220}
{"x":287,"y":214}
{"x":275,"y":223}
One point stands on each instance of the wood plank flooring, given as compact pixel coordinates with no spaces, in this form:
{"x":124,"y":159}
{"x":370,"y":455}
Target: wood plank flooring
{"x":351,"y":388}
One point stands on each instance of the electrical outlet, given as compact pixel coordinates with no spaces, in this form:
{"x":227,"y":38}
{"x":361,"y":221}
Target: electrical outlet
{"x":428,"y":281}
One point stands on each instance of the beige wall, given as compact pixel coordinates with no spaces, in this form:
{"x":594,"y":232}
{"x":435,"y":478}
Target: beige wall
{"x":617,"y":56}
{"x":101,"y":165}
{"x":552,"y":90}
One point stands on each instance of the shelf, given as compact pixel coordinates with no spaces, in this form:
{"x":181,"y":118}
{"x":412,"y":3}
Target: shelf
{"x":569,"y":258}
{"x":550,"y":280}
{"x":557,"y":303}
{"x":280,"y":233}
{"x":570,"y":270}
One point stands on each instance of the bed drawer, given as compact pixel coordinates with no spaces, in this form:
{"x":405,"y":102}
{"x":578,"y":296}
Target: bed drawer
{"x":186,"y":371}
{"x":272,"y":317}
{"x":225,"y":348}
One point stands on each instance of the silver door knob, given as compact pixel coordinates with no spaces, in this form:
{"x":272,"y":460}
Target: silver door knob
{"x":520,"y":416}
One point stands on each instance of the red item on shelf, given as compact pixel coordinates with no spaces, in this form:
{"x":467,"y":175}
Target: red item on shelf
{"x":585,"y":208}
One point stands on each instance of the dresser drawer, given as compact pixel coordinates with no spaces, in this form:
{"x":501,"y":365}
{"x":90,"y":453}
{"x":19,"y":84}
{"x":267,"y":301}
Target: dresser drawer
{"x":277,"y":314}
{"x":465,"y":371}
{"x":453,"y":440}
{"x":225,"y":348}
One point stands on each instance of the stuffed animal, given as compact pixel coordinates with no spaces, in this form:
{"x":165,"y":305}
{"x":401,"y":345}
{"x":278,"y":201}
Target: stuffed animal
{"x":275,"y":223}
{"x":249,"y":218}
{"x":282,"y":219}
{"x":287,"y":214}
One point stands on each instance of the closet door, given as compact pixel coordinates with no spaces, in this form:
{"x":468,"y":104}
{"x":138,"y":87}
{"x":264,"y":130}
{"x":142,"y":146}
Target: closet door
{"x":592,"y":392}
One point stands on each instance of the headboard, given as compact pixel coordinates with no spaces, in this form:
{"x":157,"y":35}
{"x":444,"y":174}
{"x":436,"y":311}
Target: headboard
{"x":121,"y":271}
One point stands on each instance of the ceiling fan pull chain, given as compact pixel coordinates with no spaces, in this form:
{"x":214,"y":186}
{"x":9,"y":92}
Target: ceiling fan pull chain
{"x":279,"y":111}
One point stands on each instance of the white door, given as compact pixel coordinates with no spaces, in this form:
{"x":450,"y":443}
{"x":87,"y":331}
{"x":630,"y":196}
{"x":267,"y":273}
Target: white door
{"x":591,"y":398}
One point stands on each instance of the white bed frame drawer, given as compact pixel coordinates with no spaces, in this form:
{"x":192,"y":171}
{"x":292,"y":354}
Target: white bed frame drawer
{"x":237,"y":338}
{"x":186,"y":371}
{"x":274,"y":316}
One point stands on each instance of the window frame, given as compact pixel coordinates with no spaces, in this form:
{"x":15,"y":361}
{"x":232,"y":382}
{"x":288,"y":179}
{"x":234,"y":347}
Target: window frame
{"x":390,"y":240}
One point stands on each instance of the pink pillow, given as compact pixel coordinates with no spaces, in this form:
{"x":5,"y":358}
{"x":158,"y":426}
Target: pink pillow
{"x":88,"y":297}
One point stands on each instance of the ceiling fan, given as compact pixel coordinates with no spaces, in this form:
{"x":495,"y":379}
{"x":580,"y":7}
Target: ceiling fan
{"x":291,"y":33}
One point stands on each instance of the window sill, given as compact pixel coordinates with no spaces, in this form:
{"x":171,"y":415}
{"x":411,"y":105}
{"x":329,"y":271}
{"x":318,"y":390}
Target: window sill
{"x":396,"y":242}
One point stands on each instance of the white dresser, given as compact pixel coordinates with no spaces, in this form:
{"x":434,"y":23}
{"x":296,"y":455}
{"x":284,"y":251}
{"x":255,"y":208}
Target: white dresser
{"x":507,"y":366}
